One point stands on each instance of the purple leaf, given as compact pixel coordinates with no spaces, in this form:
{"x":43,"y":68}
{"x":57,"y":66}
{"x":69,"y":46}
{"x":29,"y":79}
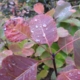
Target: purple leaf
{"x":65,"y":40}
{"x":43,"y":29}
{"x":70,"y":75}
{"x":18,"y":68}
{"x":76,"y":49}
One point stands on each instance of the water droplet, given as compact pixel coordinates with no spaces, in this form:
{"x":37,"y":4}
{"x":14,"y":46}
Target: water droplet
{"x":78,"y":72}
{"x":44,"y":25}
{"x":44,"y":35}
{"x":36,"y":26}
{"x":5,"y":29}
{"x":37,"y":40}
{"x":32,"y":31}
{"x":35,"y":20}
{"x":70,"y":74}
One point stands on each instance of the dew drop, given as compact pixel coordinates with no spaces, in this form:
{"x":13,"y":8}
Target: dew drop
{"x":32,"y":31}
{"x":35,"y":20}
{"x":44,"y":35}
{"x":5,"y":29}
{"x":44,"y":25}
{"x":78,"y":72}
{"x":37,"y":40}
{"x":36,"y":26}
{"x":70,"y":74}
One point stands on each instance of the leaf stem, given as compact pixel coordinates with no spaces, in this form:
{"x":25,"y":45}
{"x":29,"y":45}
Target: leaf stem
{"x":54,"y":64}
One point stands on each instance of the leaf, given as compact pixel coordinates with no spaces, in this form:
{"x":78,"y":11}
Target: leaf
{"x":68,"y":68}
{"x":63,"y":10}
{"x":17,"y":29}
{"x":76,"y":49}
{"x":44,"y":56}
{"x":43,"y":29}
{"x":69,"y":61}
{"x":29,"y":44}
{"x":63,"y":41}
{"x":70,"y":75}
{"x":2,"y":44}
{"x":40,"y":50}
{"x":42,"y":74}
{"x":39,"y":8}
{"x":62,"y":32}
{"x":27,"y":52}
{"x":60,"y":60}
{"x":4,"y":54}
{"x":18,"y":68}
{"x":50,"y":12}
{"x":73,"y":21}
{"x":14,"y":47}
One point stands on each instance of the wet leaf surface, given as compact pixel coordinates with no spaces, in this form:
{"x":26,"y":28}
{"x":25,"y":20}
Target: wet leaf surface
{"x":18,"y":68}
{"x":43,"y":29}
{"x":70,"y":75}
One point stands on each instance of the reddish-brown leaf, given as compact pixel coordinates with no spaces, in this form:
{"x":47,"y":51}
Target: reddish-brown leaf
{"x":39,"y":8}
{"x":70,"y":75}
{"x":65,"y":40}
{"x":15,"y":48}
{"x":51,"y":12}
{"x":27,"y":52}
{"x":18,"y":68}
{"x":43,"y":29}
{"x":17,"y":29}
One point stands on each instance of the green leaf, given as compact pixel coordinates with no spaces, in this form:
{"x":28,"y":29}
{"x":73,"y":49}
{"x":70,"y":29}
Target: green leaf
{"x":60,"y":59}
{"x":44,"y":56}
{"x":74,"y":21}
{"x":40,"y":50}
{"x":42,"y":74}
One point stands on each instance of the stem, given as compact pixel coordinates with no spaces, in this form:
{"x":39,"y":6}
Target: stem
{"x":54,"y":64}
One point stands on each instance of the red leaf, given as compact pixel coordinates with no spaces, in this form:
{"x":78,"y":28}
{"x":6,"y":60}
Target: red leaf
{"x":70,"y":75}
{"x":17,"y":29}
{"x":18,"y":68}
{"x":43,"y":29}
{"x":39,"y":8}
{"x":63,"y":41}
